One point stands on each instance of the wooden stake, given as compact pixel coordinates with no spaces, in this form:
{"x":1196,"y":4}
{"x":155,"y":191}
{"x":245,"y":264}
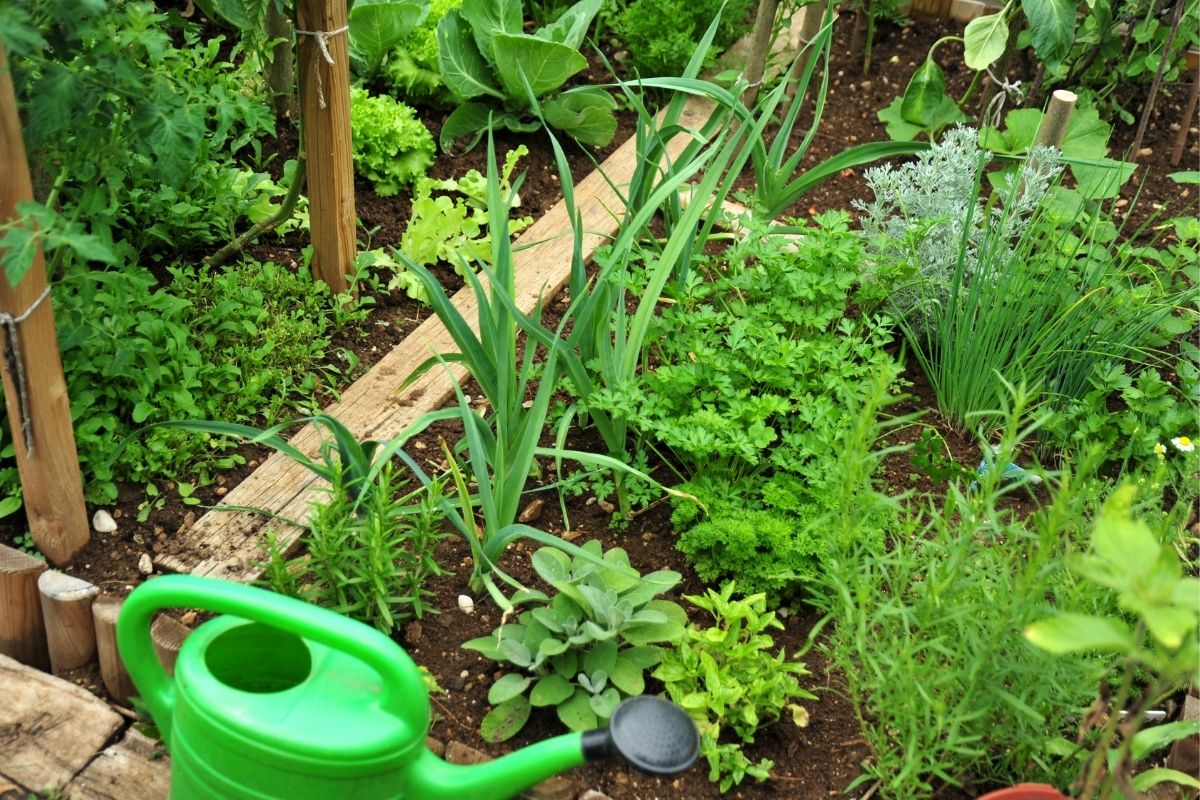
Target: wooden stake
{"x":112,"y":670}
{"x":67,"y":609}
{"x":22,"y":632}
{"x":1189,"y":114}
{"x":325,"y":115}
{"x":810,"y":25}
{"x":1056,"y":119}
{"x":756,"y":63}
{"x":168,"y":634}
{"x":34,"y":389}
{"x":1148,"y":108}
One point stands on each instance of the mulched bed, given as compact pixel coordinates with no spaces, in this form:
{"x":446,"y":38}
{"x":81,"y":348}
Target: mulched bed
{"x":815,"y":762}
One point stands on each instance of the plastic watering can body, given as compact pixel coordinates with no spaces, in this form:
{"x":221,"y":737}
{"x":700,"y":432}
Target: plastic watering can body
{"x":281,"y":700}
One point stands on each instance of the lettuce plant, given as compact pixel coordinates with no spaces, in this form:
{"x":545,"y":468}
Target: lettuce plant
{"x":501,"y":73}
{"x":452,"y":226}
{"x":392,"y":147}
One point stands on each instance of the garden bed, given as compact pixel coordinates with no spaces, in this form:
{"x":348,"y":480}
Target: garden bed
{"x":818,"y":761}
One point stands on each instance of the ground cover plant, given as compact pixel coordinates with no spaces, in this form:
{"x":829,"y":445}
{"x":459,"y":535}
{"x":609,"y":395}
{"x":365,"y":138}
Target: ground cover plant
{"x":717,"y":404}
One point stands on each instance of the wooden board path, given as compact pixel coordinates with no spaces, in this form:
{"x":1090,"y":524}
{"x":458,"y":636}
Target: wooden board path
{"x":55,"y":735}
{"x":225,"y":544}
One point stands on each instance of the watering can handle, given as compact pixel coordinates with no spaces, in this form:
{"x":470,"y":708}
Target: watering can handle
{"x":401,"y":680}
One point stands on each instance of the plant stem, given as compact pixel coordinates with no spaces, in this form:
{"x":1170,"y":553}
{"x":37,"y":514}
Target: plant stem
{"x":285,"y":212}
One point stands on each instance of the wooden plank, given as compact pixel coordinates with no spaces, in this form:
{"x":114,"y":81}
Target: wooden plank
{"x":22,"y":631}
{"x":227,"y":544}
{"x":325,"y":111}
{"x":136,"y":766}
{"x":49,"y":728}
{"x":35,"y":391}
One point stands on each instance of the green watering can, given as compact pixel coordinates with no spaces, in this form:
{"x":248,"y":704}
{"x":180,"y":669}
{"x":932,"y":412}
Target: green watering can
{"x":281,"y":699}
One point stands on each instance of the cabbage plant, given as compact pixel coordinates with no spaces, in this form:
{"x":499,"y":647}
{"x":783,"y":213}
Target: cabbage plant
{"x":499,"y":72}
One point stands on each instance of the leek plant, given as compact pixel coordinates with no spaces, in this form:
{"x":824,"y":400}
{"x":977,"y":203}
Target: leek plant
{"x":501,"y":451}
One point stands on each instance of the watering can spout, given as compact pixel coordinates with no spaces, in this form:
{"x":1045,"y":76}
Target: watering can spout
{"x":649,"y":733}
{"x":434,"y":779}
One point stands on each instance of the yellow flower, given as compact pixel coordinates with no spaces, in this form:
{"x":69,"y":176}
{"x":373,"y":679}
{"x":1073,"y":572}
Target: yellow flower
{"x":1160,"y":450}
{"x":1183,"y":444}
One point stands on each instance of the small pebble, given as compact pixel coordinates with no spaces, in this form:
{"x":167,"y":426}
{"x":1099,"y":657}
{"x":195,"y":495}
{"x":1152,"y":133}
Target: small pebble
{"x":103,"y":522}
{"x":145,"y":564}
{"x":466,"y":604}
{"x":1145,"y":152}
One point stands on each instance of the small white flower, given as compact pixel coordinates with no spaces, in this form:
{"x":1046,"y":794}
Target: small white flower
{"x":1160,"y":450}
{"x":1183,"y":444}
{"x":466,"y":604}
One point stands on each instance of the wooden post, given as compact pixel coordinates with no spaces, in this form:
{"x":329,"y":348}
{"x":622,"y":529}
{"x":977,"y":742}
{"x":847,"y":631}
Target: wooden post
{"x":168,"y":634}
{"x":325,"y":114}
{"x":67,"y":609}
{"x":1189,"y":114}
{"x":39,"y":412}
{"x":112,"y":669}
{"x":22,"y":632}
{"x":1056,"y":119}
{"x":756,"y":63}
{"x":810,"y":25}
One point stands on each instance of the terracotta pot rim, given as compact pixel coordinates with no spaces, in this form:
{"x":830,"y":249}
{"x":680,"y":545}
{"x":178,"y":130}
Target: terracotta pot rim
{"x":1026,"y":791}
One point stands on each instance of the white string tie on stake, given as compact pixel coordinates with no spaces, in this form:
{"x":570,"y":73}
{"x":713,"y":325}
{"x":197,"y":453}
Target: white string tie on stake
{"x":991,"y":115}
{"x":322,"y":38}
{"x":16,"y":366}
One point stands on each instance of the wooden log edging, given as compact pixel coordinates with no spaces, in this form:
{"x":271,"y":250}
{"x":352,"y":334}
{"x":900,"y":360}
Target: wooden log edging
{"x":67,"y":611}
{"x":22,"y":629}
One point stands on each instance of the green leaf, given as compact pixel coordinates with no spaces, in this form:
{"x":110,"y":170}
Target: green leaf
{"x":463,"y":67}
{"x":602,"y":656}
{"x":550,"y":691}
{"x":487,"y":646}
{"x":1020,"y":132}
{"x":489,"y":18}
{"x":627,"y":677}
{"x":1067,"y":633}
{"x":572,"y":26}
{"x":1103,"y":180}
{"x":552,"y":565}
{"x":576,"y":713}
{"x":1169,"y":625}
{"x":470,"y":121}
{"x":516,"y":652}
{"x":1152,"y":777}
{"x":984,"y":40}
{"x":585,"y":114}
{"x":509,"y":686}
{"x":142,"y":411}
{"x":1053,"y":27}
{"x":605,"y":703}
{"x":1120,"y":539}
{"x":642,"y":657}
{"x":924,"y":95}
{"x":9,"y":506}
{"x":1147,"y":740}
{"x":544,"y":64}
{"x":1189,"y":177}
{"x":377,"y":26}
{"x":505,"y":720}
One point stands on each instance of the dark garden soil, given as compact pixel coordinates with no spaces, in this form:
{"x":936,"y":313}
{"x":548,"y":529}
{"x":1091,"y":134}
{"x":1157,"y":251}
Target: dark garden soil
{"x":810,"y":763}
